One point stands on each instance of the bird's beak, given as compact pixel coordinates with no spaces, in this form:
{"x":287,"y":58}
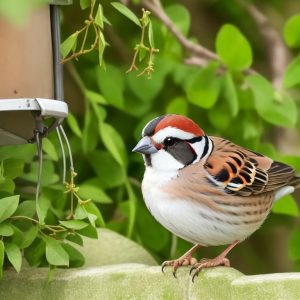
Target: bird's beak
{"x":145,"y":146}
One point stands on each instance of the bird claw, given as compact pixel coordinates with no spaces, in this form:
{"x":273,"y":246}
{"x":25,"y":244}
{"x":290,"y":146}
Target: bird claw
{"x":175,"y":264}
{"x":208,"y":263}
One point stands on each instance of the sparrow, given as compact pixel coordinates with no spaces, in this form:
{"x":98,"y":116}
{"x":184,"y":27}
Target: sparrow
{"x":206,"y":189}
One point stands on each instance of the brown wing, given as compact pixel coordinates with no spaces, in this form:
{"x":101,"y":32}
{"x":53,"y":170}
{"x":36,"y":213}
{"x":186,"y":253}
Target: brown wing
{"x":244,"y":172}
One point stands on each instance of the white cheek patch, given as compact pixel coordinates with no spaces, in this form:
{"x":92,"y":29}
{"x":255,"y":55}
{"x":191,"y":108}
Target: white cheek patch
{"x":171,"y":131}
{"x":164,"y":161}
{"x":199,"y":149}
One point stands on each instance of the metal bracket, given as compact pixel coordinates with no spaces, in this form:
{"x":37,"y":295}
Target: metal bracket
{"x":40,"y":108}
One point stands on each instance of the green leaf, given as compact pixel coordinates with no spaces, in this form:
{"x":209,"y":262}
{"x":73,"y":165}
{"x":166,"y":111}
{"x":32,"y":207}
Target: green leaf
{"x":132,"y":201}
{"x":281,"y":111}
{"x":8,"y":206}
{"x":92,"y":191}
{"x":76,"y":258}
{"x":106,"y":21}
{"x":49,"y":148}
{"x":113,"y":142}
{"x":23,"y":152}
{"x":18,"y":236}
{"x":110,"y":174}
{"x":74,"y":224}
{"x":1,"y":258}
{"x":262,"y":91}
{"x":233,"y":48}
{"x":80,"y":212}
{"x":142,"y":54}
{"x":91,"y":208}
{"x":6,"y":229}
{"x":220,"y":116}
{"x":7,"y":185}
{"x":48,"y":173}
{"x":150,"y":35}
{"x":147,"y":90}
{"x":75,"y":238}
{"x":112,"y":90}
{"x":13,"y":168}
{"x":101,"y":48}
{"x":99,"y":17}
{"x":73,"y":124}
{"x":89,"y":231}
{"x":56,"y":255}
{"x":29,"y":236}
{"x":230,"y":94}
{"x":35,"y":253}
{"x":85,"y":211}
{"x":294,"y":243}
{"x":204,"y":87}
{"x":180,"y":16}
{"x":2,"y":178}
{"x":126,"y":12}
{"x":292,"y":74}
{"x":89,"y":142}
{"x":291,"y":32}
{"x":92,"y":219}
{"x":42,"y":207}
{"x":287,"y":206}
{"x":251,"y":126}
{"x":94,"y":97}
{"x":14,"y":255}
{"x":85,"y":4}
{"x":284,"y":111}
{"x":26,"y":208}
{"x":51,"y":273}
{"x":177,"y":105}
{"x":67,"y":45}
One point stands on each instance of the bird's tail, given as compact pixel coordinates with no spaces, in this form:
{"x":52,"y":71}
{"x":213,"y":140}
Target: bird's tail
{"x":295,"y":182}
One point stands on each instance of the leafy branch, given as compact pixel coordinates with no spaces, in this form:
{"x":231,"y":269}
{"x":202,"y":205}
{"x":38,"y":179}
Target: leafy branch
{"x":94,"y":23}
{"x":140,"y":48}
{"x":53,"y":228}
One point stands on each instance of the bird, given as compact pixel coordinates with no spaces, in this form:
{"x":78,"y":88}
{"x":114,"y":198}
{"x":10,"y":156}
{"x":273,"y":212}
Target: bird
{"x":206,"y":189}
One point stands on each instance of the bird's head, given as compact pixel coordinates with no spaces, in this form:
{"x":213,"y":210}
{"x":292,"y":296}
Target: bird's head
{"x":171,"y":142}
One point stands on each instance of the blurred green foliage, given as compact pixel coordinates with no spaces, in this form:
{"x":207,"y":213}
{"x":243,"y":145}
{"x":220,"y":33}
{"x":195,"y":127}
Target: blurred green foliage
{"x":222,"y":96}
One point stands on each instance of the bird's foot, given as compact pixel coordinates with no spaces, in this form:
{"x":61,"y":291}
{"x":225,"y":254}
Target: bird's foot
{"x":185,"y":260}
{"x":209,"y":263}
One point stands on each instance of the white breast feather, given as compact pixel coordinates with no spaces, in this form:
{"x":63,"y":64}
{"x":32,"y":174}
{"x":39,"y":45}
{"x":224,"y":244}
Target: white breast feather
{"x":189,"y":220}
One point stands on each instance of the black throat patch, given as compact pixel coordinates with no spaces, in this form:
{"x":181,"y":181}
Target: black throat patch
{"x":147,"y":159}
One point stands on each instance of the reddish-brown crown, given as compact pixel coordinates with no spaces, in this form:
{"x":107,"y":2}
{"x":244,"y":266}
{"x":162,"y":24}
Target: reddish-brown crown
{"x":179,"y":122}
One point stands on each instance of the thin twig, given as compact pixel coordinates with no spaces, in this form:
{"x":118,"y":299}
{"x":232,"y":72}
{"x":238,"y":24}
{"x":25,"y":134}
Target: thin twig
{"x":199,"y":55}
{"x":77,"y":54}
{"x":156,"y":8}
{"x":133,"y":65}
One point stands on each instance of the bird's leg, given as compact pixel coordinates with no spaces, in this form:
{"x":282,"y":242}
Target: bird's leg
{"x":220,"y":260}
{"x":185,"y":260}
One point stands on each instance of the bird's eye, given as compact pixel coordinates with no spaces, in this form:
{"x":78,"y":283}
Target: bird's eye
{"x":169,"y":141}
